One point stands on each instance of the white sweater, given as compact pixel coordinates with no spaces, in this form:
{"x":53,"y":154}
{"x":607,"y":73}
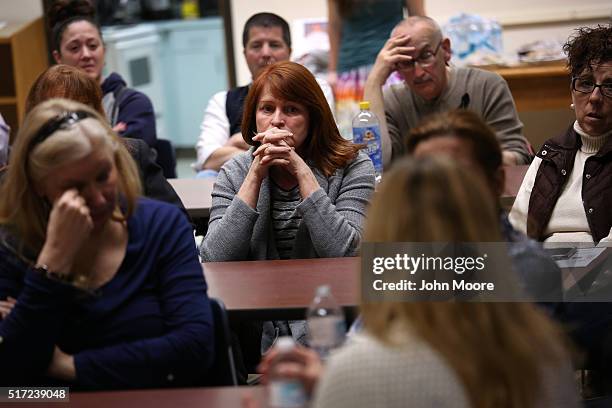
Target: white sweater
{"x":367,"y":373}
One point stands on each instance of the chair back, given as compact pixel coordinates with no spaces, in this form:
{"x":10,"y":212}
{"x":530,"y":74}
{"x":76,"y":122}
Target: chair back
{"x":223,"y":370}
{"x":166,"y":157}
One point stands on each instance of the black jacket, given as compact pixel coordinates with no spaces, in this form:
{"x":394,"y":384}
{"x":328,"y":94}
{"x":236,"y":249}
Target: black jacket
{"x":154,"y":184}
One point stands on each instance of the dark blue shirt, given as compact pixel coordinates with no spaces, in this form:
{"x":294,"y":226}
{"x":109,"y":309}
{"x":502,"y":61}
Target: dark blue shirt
{"x":149,"y":326}
{"x":135,"y":110}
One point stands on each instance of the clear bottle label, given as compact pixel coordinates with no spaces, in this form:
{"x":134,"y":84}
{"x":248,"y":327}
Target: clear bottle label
{"x":287,"y":394}
{"x":370,"y":136}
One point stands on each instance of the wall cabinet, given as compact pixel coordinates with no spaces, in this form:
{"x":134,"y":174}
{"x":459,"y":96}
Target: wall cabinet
{"x":194,"y":66}
{"x":23,"y":56}
{"x":186,"y":64}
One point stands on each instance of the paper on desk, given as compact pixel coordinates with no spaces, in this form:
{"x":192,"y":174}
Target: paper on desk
{"x":583,"y":257}
{"x":2,"y":24}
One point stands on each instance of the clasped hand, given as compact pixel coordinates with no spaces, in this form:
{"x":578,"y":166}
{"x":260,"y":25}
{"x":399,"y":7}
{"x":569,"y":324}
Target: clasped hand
{"x":277,"y":149}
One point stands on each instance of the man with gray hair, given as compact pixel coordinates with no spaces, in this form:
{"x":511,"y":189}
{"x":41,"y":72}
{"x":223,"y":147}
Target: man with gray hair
{"x":419,"y":52}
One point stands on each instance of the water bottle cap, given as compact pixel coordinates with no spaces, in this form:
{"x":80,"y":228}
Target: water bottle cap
{"x":364,"y":105}
{"x":284,"y":343}
{"x":323,"y":290}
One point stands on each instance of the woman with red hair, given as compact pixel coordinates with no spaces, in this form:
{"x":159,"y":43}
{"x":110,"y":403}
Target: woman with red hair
{"x":300,"y":191}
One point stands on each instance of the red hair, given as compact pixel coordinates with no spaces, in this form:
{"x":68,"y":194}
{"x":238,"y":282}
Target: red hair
{"x":324,"y":146}
{"x":65,"y":81}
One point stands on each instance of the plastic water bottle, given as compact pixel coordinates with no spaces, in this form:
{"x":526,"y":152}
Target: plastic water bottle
{"x":498,"y":44}
{"x":325,"y":322}
{"x":285,"y":392}
{"x":456,"y":30}
{"x":366,"y":129}
{"x":476,"y":32}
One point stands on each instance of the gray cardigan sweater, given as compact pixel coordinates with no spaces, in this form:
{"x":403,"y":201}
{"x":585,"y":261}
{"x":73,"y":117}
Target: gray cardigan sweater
{"x":332,"y":216}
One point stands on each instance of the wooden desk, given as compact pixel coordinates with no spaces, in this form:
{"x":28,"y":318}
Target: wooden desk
{"x":195,"y":195}
{"x":537,"y":87}
{"x":281,"y":289}
{"x":513,"y":181}
{"x":219,"y":397}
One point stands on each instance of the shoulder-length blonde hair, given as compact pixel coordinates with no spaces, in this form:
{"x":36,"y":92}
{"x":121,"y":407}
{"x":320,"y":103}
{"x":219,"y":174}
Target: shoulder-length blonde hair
{"x":497,"y":350}
{"x":290,"y":81}
{"x":22,"y":210}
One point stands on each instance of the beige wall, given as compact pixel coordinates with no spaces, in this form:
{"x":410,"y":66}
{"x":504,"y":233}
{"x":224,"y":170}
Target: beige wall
{"x":20,"y":10}
{"x":521,"y":11}
{"x":523,"y":20}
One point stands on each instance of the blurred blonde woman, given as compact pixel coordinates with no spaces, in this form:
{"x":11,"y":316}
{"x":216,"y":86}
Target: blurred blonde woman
{"x":445,"y":354}
{"x":435,"y":354}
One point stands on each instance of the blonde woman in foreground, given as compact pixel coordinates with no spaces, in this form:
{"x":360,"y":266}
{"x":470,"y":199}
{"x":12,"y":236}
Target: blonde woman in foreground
{"x":425,"y":354}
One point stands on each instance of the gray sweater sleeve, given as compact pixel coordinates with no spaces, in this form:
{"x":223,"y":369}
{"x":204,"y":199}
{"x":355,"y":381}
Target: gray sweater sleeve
{"x":231,"y":221}
{"x":490,"y":98}
{"x":393,"y":116}
{"x":335,"y":228}
{"x":333,"y":218}
{"x":500,"y":113}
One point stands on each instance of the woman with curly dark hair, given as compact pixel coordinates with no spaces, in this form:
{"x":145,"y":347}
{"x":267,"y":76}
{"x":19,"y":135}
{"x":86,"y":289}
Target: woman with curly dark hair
{"x":566,"y":195}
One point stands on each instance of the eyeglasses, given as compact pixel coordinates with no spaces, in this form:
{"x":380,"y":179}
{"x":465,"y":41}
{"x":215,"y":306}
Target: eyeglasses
{"x":425,"y":59}
{"x":586,"y":86}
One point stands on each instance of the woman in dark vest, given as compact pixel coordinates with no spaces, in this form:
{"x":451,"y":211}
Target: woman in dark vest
{"x":566,"y":195}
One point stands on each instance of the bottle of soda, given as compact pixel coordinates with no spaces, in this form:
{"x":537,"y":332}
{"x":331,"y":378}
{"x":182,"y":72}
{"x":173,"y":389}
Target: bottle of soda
{"x":326,"y":323}
{"x":285,"y":392}
{"x":366,"y":129}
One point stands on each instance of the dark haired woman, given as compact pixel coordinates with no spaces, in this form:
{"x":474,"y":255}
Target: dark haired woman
{"x":77,"y":41}
{"x":566,"y":195}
